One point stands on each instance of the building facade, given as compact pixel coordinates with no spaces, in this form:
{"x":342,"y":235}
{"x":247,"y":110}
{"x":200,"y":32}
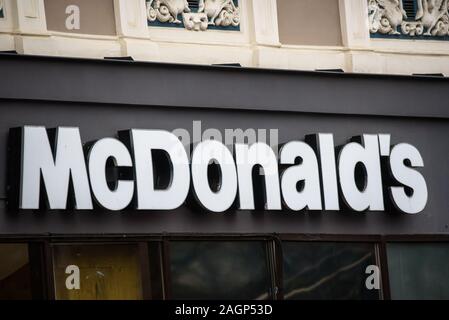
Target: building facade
{"x":235,"y":149}
{"x":375,"y":36}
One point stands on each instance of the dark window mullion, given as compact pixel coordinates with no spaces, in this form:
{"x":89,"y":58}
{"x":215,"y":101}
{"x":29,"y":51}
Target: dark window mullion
{"x":154,"y":256}
{"x":382,"y":263}
{"x":274,"y":254}
{"x":145,"y":271}
{"x":49,"y":274}
{"x":166,"y":270}
{"x":39,"y":271}
{"x":271,"y":264}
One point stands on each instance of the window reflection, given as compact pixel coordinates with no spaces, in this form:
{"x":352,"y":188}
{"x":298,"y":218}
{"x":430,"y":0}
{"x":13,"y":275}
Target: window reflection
{"x":327,"y":270}
{"x":107,"y":272}
{"x":418,"y":270}
{"x":15,"y":276}
{"x":219,"y":270}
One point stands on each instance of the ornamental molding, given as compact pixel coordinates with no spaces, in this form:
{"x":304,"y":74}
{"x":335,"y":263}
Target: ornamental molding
{"x":388,"y":18}
{"x":195,"y":21}
{"x":221,"y":14}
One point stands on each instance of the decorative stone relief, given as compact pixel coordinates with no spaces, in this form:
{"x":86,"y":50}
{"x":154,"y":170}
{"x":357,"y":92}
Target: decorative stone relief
{"x":166,"y":10}
{"x":220,"y":12}
{"x":2,"y":11}
{"x":194,"y":15}
{"x":195,"y":21}
{"x":430,"y":19}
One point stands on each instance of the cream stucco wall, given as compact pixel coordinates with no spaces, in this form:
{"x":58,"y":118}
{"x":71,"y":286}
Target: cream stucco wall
{"x":309,"y":22}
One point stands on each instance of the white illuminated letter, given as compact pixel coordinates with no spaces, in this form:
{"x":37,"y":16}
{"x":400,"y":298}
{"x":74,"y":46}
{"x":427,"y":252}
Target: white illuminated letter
{"x":203,"y":154}
{"x":408,"y":177}
{"x":248,"y":157}
{"x":371,"y":197}
{"x":56,"y":172}
{"x":325,"y":149}
{"x":102,"y":150}
{"x":307,"y":171}
{"x":149,"y":198}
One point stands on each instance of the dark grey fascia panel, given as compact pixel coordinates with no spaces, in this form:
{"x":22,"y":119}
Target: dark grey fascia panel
{"x":177,"y":85}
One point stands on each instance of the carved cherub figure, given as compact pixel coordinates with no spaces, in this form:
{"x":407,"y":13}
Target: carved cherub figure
{"x":175,"y":7}
{"x":213,"y":8}
{"x":394,"y":11}
{"x":430,"y":12}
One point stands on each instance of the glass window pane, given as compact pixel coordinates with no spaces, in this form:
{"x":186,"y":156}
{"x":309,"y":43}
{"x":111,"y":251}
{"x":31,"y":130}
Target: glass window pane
{"x":107,"y":272}
{"x":418,"y":270}
{"x":219,"y":270}
{"x":15,"y":276}
{"x":322,"y":270}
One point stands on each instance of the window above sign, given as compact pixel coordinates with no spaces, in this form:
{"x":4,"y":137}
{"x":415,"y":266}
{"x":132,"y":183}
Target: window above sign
{"x":2,"y":11}
{"x":409,"y":19}
{"x":195,"y":15}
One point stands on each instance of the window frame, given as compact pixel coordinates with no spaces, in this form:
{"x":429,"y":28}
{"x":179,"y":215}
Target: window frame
{"x":379,"y":249}
{"x":40,"y":248}
{"x":274,"y":260}
{"x":142,"y":241}
{"x":406,"y":238}
{"x":36,"y":259}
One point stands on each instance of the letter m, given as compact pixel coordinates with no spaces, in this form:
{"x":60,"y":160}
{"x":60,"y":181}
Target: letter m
{"x":53,"y":160}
